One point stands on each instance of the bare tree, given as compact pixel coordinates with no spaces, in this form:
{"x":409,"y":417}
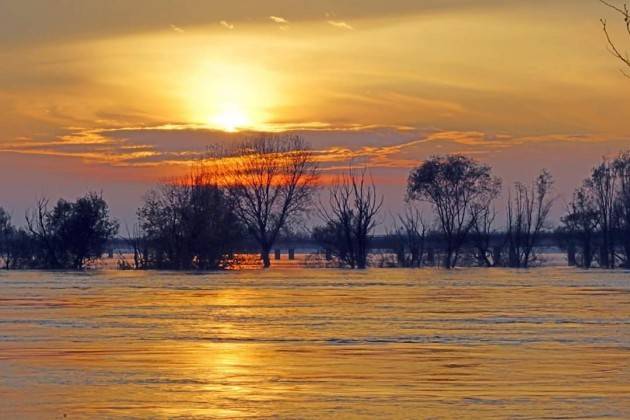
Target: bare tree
{"x":458,"y":187}
{"x":187,"y":223}
{"x":271,"y":179}
{"x":413,"y":231}
{"x":603,"y":183}
{"x":6,"y":232}
{"x":622,"y":207}
{"x":71,"y":234}
{"x":137,"y":240}
{"x":581,"y":222}
{"x":407,"y":239}
{"x":624,"y":11}
{"x":482,"y":232}
{"x":527,"y":212}
{"x":600,"y":211}
{"x":350,"y":218}
{"x":39,"y":229}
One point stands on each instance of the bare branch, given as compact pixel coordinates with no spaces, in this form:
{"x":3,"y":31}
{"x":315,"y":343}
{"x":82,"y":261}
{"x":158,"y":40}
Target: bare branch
{"x":612,"y":45}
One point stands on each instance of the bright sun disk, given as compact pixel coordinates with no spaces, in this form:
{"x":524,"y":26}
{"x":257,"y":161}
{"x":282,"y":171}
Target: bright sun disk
{"x":230,"y":119}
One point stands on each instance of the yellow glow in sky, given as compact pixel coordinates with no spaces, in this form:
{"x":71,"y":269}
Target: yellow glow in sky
{"x":511,"y":70}
{"x":138,"y":90}
{"x":229,"y":96}
{"x":231,"y":118}
{"x":493,"y":69}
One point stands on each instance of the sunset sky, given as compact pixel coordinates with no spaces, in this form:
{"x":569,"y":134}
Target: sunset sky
{"x":114,"y":95}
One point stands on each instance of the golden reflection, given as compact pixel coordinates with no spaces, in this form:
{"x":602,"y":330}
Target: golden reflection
{"x":316,"y":343}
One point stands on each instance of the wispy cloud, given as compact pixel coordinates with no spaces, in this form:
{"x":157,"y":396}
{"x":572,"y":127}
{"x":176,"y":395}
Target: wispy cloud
{"x":154,"y":146}
{"x":279,"y":19}
{"x":179,"y":146}
{"x":340,"y":24}
{"x":177,"y":29}
{"x":226,"y":25}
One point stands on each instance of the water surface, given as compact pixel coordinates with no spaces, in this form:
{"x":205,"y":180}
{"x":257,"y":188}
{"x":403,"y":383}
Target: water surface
{"x":306,"y":343}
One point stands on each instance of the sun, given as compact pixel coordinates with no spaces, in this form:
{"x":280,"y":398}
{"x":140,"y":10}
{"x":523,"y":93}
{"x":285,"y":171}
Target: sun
{"x":230,"y":97}
{"x":230,"y":118}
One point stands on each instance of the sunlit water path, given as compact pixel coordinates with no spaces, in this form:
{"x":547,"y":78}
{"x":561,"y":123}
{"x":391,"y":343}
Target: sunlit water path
{"x":307,"y":343}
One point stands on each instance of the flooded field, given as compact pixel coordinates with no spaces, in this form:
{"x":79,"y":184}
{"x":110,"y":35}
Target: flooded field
{"x":305,"y":343}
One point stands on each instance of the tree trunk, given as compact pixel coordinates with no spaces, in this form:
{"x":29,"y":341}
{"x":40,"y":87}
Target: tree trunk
{"x":588,"y":254}
{"x":572,"y":261}
{"x":448,"y":258}
{"x":513,"y":259}
{"x":497,"y":256}
{"x":264,"y":255}
{"x":603,"y":255}
{"x":430,"y":257}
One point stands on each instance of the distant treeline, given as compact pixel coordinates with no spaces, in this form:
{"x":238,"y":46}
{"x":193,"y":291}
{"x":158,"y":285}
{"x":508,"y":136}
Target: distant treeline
{"x":263,"y":189}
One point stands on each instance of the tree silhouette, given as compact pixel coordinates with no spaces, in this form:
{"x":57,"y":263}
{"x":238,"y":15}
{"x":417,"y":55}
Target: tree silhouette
{"x":350,"y":217}
{"x":581,"y":222}
{"x":603,"y":184}
{"x":6,"y":234}
{"x":621,"y":166}
{"x":599,"y":215}
{"x":458,"y":188}
{"x":527,"y":212}
{"x":409,"y":237}
{"x":271,"y":179}
{"x":623,"y":11}
{"x":71,"y":234}
{"x":188,"y":223}
{"x":482,"y":231}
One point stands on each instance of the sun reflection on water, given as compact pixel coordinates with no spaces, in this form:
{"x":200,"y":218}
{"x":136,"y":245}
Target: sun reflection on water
{"x":320,"y":343}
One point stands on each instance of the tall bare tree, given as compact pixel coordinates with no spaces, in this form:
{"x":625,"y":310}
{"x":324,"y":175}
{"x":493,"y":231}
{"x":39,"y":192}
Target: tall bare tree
{"x":350,"y":217}
{"x":410,"y":237}
{"x":137,"y":240}
{"x":187,"y":223}
{"x":622,"y":207}
{"x":582,"y":221}
{"x":603,"y":183}
{"x":623,"y":10}
{"x":42,"y":234}
{"x":482,"y":232}
{"x":600,"y":212}
{"x":6,"y":232}
{"x":271,"y":178}
{"x":458,"y":188}
{"x":527,"y":213}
